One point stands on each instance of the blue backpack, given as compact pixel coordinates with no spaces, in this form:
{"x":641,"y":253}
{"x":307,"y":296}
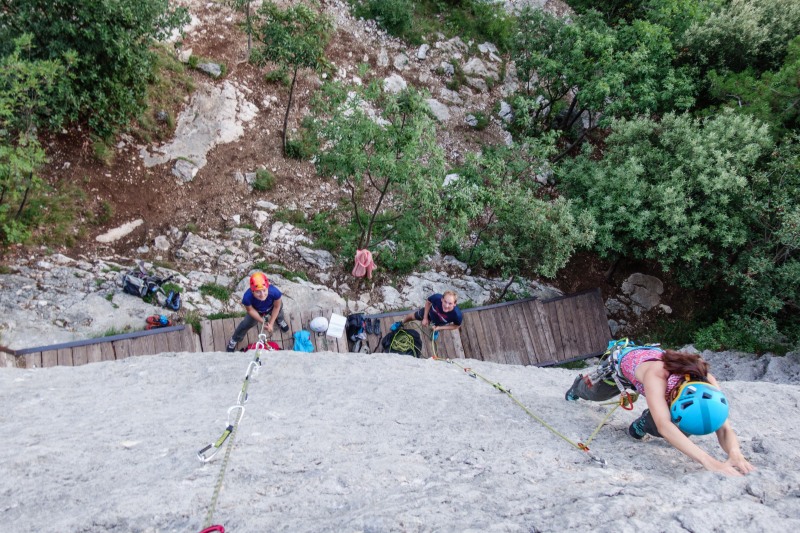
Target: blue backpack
{"x":302,"y":341}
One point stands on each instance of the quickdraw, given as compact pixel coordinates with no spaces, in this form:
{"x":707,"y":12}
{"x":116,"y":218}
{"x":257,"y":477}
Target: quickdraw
{"x":235,"y":415}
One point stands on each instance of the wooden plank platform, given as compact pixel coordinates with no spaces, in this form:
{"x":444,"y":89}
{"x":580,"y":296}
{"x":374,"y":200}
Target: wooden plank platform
{"x":522,"y":332}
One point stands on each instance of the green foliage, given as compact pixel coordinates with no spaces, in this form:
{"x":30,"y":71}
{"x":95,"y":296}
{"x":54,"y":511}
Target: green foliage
{"x":497,"y":213}
{"x":675,"y":191}
{"x":620,"y":72}
{"x":213,"y":290}
{"x":677,"y":15}
{"x":381,"y":148}
{"x":174,"y":287}
{"x":420,"y":20}
{"x":482,"y":121}
{"x":772,"y":97}
{"x":740,"y":334}
{"x":106,"y":46}
{"x":293,"y":38}
{"x":279,"y":75}
{"x":744,"y":33}
{"x":217,"y":316}
{"x":24,"y":90}
{"x":265,"y":180}
{"x":193,"y":319}
{"x":394,"y":16}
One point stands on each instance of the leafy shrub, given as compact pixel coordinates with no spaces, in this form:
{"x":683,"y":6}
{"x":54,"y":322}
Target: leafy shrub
{"x":107,"y":44}
{"x":213,"y":290}
{"x":742,"y":334}
{"x":744,"y":33}
{"x":265,"y":180}
{"x":395,"y":16}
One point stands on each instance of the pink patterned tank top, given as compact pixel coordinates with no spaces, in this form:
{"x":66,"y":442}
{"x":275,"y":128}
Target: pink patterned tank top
{"x":631,"y":360}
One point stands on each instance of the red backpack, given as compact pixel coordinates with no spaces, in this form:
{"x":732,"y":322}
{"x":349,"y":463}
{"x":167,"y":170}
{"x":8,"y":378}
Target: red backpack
{"x":271,"y":346}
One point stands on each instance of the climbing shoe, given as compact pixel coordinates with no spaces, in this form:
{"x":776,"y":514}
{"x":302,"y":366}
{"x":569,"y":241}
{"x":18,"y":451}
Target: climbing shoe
{"x":570,"y":396}
{"x":376,"y":326}
{"x":637,"y":430}
{"x":283,"y":325}
{"x":396,"y":326}
{"x":231,"y":346}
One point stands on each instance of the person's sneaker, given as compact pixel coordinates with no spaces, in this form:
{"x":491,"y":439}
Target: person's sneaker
{"x":283,"y":325}
{"x":636,"y":430}
{"x":570,"y":396}
{"x":396,"y":326}
{"x":231,"y":347}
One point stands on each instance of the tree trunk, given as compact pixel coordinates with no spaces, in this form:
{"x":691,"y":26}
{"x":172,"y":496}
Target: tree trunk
{"x":288,"y":108}
{"x":24,"y":201}
{"x":505,"y":289}
{"x":249,"y":30}
{"x":612,"y":269}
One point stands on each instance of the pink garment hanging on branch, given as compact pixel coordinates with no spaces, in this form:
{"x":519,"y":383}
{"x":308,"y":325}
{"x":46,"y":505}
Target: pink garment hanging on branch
{"x":364,"y":264}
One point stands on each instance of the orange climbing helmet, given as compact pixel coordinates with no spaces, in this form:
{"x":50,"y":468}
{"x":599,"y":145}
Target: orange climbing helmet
{"x":258,"y":282}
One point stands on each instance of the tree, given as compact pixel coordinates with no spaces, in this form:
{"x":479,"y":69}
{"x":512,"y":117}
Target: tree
{"x":111,"y":45}
{"x":23,"y":95}
{"x":742,"y":34}
{"x":500,"y":219}
{"x":675,"y":190}
{"x":244,"y":5}
{"x":588,"y":69}
{"x":382,"y":149}
{"x":772,"y":97}
{"x":294,"y":38}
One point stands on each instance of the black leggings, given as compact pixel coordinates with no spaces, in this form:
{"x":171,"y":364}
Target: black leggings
{"x":600,"y":391}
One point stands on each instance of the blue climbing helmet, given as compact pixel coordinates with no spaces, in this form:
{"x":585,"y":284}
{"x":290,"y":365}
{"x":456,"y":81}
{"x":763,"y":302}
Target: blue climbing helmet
{"x":699,"y":408}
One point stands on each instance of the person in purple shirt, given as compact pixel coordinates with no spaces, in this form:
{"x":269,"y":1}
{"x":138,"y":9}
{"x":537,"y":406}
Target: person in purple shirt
{"x":441,"y":312}
{"x":262,"y":301}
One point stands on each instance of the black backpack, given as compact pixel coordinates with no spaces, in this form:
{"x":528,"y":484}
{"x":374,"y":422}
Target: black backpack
{"x":139,"y":283}
{"x":403,"y":341}
{"x":354,"y":326}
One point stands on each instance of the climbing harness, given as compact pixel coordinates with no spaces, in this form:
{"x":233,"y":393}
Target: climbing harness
{"x":235,"y":414}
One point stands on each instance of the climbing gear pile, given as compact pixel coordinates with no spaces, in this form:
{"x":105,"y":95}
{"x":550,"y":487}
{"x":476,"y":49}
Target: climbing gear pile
{"x":235,"y":414}
{"x":139,"y":282}
{"x":157,"y":321}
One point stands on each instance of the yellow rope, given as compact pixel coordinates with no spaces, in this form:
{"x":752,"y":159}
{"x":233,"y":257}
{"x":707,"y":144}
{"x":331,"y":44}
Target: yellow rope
{"x":582,"y":446}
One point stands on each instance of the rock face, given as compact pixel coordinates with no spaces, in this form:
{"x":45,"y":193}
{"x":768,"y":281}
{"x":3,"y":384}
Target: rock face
{"x":640,"y":294}
{"x":216,"y":115}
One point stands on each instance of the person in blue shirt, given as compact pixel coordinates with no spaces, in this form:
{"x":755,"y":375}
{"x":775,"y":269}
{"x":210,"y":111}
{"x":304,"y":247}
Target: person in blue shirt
{"x":441,"y":312}
{"x":262,"y":302}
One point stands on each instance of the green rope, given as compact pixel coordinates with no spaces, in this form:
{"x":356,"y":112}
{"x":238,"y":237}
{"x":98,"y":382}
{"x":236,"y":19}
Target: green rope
{"x":577,"y":445}
{"x":402,"y":341}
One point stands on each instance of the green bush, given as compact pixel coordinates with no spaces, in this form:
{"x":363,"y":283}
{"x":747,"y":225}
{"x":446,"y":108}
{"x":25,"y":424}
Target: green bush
{"x":740,"y":334}
{"x":265,"y":180}
{"x":213,"y":290}
{"x":108,"y":46}
{"x":395,"y":16}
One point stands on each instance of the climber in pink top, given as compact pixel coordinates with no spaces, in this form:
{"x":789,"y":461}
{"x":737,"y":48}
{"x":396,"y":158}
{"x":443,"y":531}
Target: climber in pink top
{"x":683,"y":399}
